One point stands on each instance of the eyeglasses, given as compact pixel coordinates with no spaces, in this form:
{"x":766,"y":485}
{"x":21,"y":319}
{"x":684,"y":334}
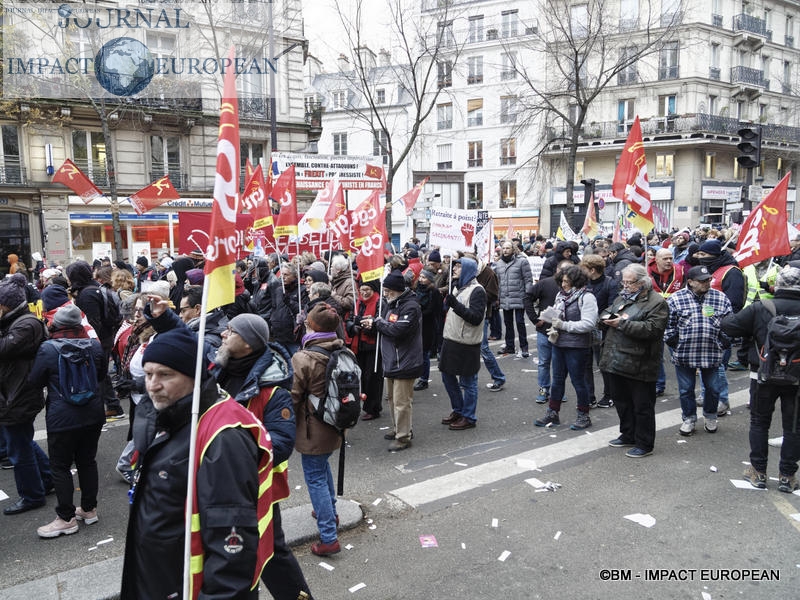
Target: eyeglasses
{"x":183,"y":308}
{"x":229,"y":331}
{"x":138,"y":311}
{"x":629,"y":282}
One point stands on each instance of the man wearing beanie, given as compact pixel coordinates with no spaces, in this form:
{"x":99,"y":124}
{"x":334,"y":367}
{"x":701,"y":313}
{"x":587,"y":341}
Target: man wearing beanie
{"x":21,"y":334}
{"x":753,"y":320}
{"x":73,"y":431}
{"x":400,"y":329}
{"x":233,"y":462}
{"x":258,"y":374}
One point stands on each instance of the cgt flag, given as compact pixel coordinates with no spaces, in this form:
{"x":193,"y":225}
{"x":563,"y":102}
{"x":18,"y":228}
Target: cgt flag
{"x":409,"y":199}
{"x":590,"y":227}
{"x":370,"y":252}
{"x":284,"y":191}
{"x":764,"y":233}
{"x":221,"y":253}
{"x":72,"y":177}
{"x":154,"y":195}
{"x":255,"y":199}
{"x":631,"y":184}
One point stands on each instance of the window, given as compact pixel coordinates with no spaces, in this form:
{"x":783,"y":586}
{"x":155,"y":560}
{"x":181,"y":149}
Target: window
{"x":340,"y":144}
{"x":508,"y":109}
{"x":664,"y":164}
{"x":790,"y":31}
{"x":380,"y":146}
{"x":444,"y":34}
{"x":475,"y":112}
{"x":475,"y":29}
{"x":711,"y":165}
{"x":474,"y":154}
{"x":713,"y":105}
{"x":509,"y":23}
{"x":89,"y":154}
{"x":668,"y":61}
{"x":508,"y":151}
{"x":445,"y":154}
{"x":10,"y":162}
{"x":508,"y":194}
{"x":666,"y":105}
{"x":583,"y":72}
{"x":165,"y":158}
{"x":714,"y":71}
{"x":444,"y":69}
{"x":579,"y":20}
{"x":787,"y":77}
{"x":475,"y":196}
{"x":509,"y":69}
{"x":626,"y":111}
{"x":160,"y":45}
{"x":444,"y":116}
{"x":251,"y":151}
{"x":340,"y":99}
{"x":763,"y":113}
{"x":628,"y":15}
{"x":380,"y":96}
{"x":629,"y":72}
{"x":475,"y":69}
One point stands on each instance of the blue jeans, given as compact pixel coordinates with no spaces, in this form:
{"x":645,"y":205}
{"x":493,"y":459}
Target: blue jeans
{"x":319,"y":480}
{"x":686,"y":380}
{"x":488,"y":357}
{"x":572,"y":361}
{"x":544,"y":352}
{"x":466,"y":403}
{"x":31,"y":465}
{"x":495,"y":324}
{"x":722,"y":384}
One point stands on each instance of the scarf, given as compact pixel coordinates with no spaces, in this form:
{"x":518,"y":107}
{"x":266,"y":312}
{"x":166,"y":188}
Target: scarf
{"x":235,"y":373}
{"x":317,"y":335}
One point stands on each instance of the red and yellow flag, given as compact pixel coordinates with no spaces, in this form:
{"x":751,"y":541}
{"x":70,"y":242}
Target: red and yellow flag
{"x":369,"y":236}
{"x":153,"y":195}
{"x":764,"y":233}
{"x":220,"y":256}
{"x":590,"y":226}
{"x":631,"y":185}
{"x":409,"y":199}
{"x":72,"y":177}
{"x":255,"y":199}
{"x":284,"y":191}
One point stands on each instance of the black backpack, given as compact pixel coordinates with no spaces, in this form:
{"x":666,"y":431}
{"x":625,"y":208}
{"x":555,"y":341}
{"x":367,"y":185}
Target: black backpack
{"x":779,"y":362}
{"x":111,"y":316}
{"x":77,"y":374}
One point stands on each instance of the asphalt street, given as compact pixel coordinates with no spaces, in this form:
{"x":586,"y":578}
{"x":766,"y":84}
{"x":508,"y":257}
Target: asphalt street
{"x":469,"y":514}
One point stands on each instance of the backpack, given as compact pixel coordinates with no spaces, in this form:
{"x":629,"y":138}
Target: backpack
{"x":77,"y":374}
{"x":111,"y":315}
{"x":341,"y":406}
{"x":779,"y":362}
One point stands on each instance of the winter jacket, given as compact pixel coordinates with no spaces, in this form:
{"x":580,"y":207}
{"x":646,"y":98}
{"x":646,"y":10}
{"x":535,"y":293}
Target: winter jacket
{"x":551,"y":262}
{"x":728,"y":278}
{"x":261,"y":299}
{"x":400,"y":327}
{"x":283,"y":327}
{"x":179,"y":267}
{"x":360,"y":339}
{"x":60,"y":414}
{"x":603,"y":291}
{"x":578,"y":319}
{"x":312,"y":435}
{"x":216,"y":322}
{"x":621,"y":260}
{"x":342,"y":290}
{"x":467,"y":308}
{"x":693,"y":328}
{"x":513,"y":278}
{"x":670,"y":282}
{"x":90,"y":300}
{"x":21,"y":334}
{"x":239,"y":306}
{"x":488,"y":280}
{"x":430,"y":303}
{"x":540,"y":296}
{"x":634,"y":349}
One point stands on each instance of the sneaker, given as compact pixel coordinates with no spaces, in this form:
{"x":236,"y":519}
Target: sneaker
{"x":620,"y":443}
{"x":659,"y":393}
{"x":638,"y":453}
{"x":420,"y":385}
{"x":321,"y":549}
{"x":688,"y":427}
{"x":5,"y":463}
{"x":550,"y":418}
{"x":127,"y":476}
{"x":710,"y":425}
{"x":544,"y":395}
{"x":87,"y":516}
{"x":787,"y":483}
{"x":722,"y":409}
{"x":776,"y":442}
{"x":582,"y":421}
{"x":518,"y":354}
{"x":605,"y":402}
{"x":495,"y":386}
{"x":592,"y":402}
{"x":57,"y":528}
{"x":525,"y":354}
{"x":736,"y":366}
{"x":114,"y":414}
{"x":756,"y":478}
{"x":505,"y":350}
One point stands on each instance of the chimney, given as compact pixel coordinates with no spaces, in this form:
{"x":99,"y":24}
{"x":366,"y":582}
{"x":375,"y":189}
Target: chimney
{"x":366,"y":57}
{"x":385,"y":58}
{"x":344,"y":64}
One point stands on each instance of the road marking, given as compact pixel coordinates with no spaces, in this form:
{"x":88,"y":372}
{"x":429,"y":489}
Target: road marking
{"x":464,"y":480}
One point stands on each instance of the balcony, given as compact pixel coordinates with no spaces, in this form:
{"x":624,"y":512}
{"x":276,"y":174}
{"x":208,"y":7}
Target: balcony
{"x":750,"y":31}
{"x":12,"y":171}
{"x":443,"y":166}
{"x":751,"y":81}
{"x":626,"y":25}
{"x":475,"y":162}
{"x":508,"y":75}
{"x":669,"y":72}
{"x":472,"y":79}
{"x":178,"y":178}
{"x":627,"y":77}
{"x":251,"y":108}
{"x":94,"y":170}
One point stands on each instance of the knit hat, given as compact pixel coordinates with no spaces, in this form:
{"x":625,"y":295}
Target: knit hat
{"x":434,"y":256}
{"x":373,"y":284}
{"x":165,"y":262}
{"x":317,"y":275}
{"x":49,"y":273}
{"x":176,"y":349}
{"x":68,"y":315}
{"x":429,"y":275}
{"x":143,"y":262}
{"x":54,"y":296}
{"x":323,"y":318}
{"x":684,"y":234}
{"x":253,"y":329}
{"x":789,"y":277}
{"x":395,"y":281}
{"x":713,"y":247}
{"x":12,"y":290}
{"x":195,"y":276}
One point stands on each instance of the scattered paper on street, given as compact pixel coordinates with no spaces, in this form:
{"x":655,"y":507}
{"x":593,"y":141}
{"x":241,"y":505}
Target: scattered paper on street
{"x":105,"y":541}
{"x":3,"y":495}
{"x":744,"y":485}
{"x":795,"y":516}
{"x":504,"y":556}
{"x":495,"y":522}
{"x":642,"y":519}
{"x":377,"y":501}
{"x":706,"y":596}
{"x":348,"y":547}
{"x":713,"y":469}
{"x":326,"y":566}
{"x":557,"y":535}
{"x":356,"y":587}
{"x":459,"y":464}
{"x":527,"y":464}
{"x":428,"y":541}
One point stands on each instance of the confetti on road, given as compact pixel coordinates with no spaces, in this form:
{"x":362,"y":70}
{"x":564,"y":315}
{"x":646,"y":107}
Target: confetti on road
{"x":744,"y":485}
{"x":105,"y":541}
{"x":706,"y":596}
{"x":356,"y":587}
{"x":428,"y":541}
{"x":495,"y":522}
{"x":795,"y":516}
{"x":557,"y":535}
{"x":348,"y":547}
{"x":373,"y":527}
{"x":504,"y":556}
{"x":681,"y":441}
{"x":3,"y":495}
{"x":643,"y":520}
{"x":461,"y":464}
{"x":326,"y":566}
{"x":377,"y":501}
{"x":464,"y":547}
{"x":713,"y":469}
{"x":384,"y":428}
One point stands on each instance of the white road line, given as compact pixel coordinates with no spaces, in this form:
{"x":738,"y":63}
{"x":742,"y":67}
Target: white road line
{"x":465,"y":480}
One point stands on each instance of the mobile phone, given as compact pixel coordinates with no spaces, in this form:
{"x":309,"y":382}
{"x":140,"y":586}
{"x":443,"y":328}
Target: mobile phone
{"x":610,"y":317}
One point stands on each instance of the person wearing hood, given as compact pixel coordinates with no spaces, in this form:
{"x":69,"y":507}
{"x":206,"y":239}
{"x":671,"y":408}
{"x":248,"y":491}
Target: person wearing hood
{"x":14,"y":266}
{"x":563,"y":251}
{"x":179,"y":266}
{"x":619,"y":257}
{"x":262,"y":279}
{"x":460,"y":359}
{"x":241,"y":300}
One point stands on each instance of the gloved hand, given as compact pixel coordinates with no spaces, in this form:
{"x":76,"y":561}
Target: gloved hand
{"x":450,"y":300}
{"x":764,"y":285}
{"x":556,"y":323}
{"x":552,"y":335}
{"x":300,"y":318}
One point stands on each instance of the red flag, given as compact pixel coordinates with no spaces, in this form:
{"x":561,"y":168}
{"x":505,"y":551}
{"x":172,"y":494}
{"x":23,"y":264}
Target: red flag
{"x":363,"y":218}
{"x":72,"y":177}
{"x":248,"y":171}
{"x":338,"y":218}
{"x":373,"y":171}
{"x":221,"y":253}
{"x":153,"y":195}
{"x":284,"y":191}
{"x":510,"y":231}
{"x":255,"y":200}
{"x":409,"y":199}
{"x":630,"y":181}
{"x":764,"y":233}
{"x":590,"y":226}
{"x":370,"y":254}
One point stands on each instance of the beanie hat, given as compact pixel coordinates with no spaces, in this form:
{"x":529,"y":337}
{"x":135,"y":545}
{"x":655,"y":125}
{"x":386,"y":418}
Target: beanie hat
{"x":317,"y":276}
{"x":429,"y":275}
{"x":413,"y":254}
{"x":54,"y":296}
{"x":789,"y":277}
{"x":165,"y":262}
{"x":143,"y":261}
{"x":253,"y":329}
{"x":713,"y":247}
{"x":435,"y":256}
{"x":176,"y":349}
{"x":317,"y":265}
{"x":68,"y":315}
{"x":120,"y":264}
{"x":12,"y":290}
{"x":684,"y":234}
{"x":49,"y":273}
{"x":323,"y":318}
{"x":195,"y":276}
{"x":373,"y":284}
{"x":395,"y":281}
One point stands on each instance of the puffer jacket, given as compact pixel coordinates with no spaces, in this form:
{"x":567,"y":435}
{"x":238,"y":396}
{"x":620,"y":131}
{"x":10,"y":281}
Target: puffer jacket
{"x":21,"y":334}
{"x":514,"y":277}
{"x":312,"y":436}
{"x":343,"y":291}
{"x":634,"y":349}
{"x":400,"y":327}
{"x":578,"y":319}
{"x":283,"y":327}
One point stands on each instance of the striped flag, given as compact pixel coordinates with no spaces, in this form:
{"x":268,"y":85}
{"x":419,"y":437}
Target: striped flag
{"x":631,"y":184}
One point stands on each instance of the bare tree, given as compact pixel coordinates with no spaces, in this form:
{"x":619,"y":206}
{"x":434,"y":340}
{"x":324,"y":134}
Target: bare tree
{"x":585,"y":49}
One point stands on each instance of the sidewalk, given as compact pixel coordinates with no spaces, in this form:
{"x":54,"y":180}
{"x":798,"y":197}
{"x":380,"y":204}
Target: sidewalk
{"x":101,"y":581}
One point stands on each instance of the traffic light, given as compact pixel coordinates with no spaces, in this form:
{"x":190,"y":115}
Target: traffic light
{"x":749,"y":147}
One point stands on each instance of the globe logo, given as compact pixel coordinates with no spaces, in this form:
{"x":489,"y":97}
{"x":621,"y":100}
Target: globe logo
{"x":124,"y":66}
